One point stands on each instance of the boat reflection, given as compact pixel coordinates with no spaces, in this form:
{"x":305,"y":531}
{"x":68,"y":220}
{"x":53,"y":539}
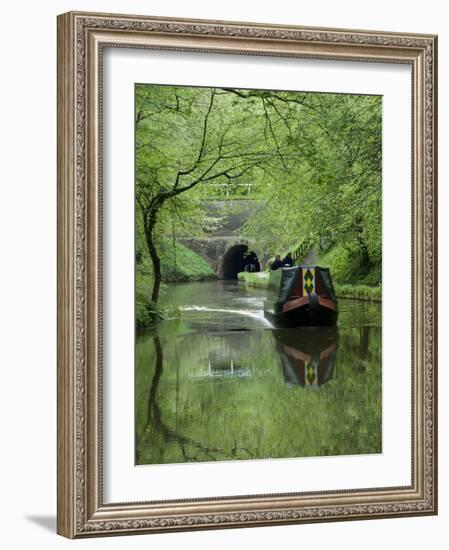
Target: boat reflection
{"x":307,"y":355}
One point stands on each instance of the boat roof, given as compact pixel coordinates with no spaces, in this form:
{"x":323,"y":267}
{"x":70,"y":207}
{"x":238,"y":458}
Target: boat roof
{"x":307,"y":266}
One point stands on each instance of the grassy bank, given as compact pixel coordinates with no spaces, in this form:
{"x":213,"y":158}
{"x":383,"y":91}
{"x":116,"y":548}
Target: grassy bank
{"x":179,"y":264}
{"x":359,"y":292}
{"x":255,"y":279}
{"x":346,"y":270}
{"x":350,"y":280}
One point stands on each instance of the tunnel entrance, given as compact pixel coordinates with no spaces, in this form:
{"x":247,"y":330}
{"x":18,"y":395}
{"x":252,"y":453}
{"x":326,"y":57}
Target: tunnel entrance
{"x":238,"y":258}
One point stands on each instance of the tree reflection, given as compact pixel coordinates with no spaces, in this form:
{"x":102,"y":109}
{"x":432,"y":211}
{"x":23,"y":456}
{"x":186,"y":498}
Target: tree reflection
{"x":191,"y":450}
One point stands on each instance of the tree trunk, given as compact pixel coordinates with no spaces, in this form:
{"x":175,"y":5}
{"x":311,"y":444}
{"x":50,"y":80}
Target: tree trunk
{"x":149,"y":226}
{"x":365,"y":260}
{"x":363,"y":248}
{"x":154,"y":412}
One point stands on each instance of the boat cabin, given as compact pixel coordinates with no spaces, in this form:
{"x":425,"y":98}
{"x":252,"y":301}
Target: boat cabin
{"x":301,"y":296}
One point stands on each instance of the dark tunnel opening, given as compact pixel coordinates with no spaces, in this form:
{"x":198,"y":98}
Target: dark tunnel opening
{"x":238,"y":258}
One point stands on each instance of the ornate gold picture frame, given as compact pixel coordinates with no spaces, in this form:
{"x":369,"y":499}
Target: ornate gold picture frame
{"x":82,"y":510}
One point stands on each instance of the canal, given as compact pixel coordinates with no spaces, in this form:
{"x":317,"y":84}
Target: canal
{"x":215,"y":381}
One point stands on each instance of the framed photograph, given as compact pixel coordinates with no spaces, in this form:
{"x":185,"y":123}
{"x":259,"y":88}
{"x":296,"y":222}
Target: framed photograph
{"x":247,"y":277}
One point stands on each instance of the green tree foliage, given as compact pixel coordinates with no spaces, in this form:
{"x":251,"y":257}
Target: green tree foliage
{"x":184,"y":137}
{"x":313,"y":160}
{"x":331,"y":194}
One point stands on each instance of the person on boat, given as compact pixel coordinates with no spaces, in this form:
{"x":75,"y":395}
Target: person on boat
{"x":277,"y":263}
{"x":288,"y":261}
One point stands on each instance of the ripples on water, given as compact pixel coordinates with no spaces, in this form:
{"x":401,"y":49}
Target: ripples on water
{"x":220,"y":383}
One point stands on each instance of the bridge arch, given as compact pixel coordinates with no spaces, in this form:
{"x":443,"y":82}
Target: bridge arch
{"x":236,"y":259}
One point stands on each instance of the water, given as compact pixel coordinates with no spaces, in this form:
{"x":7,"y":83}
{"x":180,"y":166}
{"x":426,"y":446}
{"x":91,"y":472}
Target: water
{"x":218,"y":382}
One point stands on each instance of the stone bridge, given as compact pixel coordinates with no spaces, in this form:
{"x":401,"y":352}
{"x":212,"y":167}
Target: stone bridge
{"x":224,"y":249}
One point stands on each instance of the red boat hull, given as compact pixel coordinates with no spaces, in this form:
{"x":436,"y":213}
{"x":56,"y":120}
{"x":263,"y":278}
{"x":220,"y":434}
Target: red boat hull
{"x":309,"y":310}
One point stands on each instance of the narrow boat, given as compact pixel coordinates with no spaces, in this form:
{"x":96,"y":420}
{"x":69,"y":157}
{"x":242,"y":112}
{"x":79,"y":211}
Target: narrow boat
{"x":301,"y":296}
